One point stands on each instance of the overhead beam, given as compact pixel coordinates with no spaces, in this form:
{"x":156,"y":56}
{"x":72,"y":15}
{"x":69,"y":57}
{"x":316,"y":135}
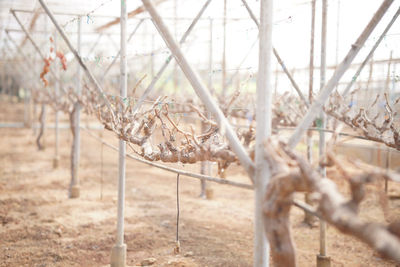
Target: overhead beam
{"x":131,"y":14}
{"x":31,"y":26}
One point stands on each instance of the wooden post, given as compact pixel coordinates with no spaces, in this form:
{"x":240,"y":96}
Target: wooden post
{"x":322,"y":259}
{"x":74,"y":189}
{"x":201,"y":90}
{"x":344,"y":65}
{"x":263,"y":116}
{"x":118,"y":253}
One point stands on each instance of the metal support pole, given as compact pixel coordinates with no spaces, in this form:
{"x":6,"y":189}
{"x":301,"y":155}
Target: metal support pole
{"x":119,"y":52}
{"x":201,"y":90}
{"x":322,"y":259}
{"x":341,"y":69}
{"x":308,"y":217}
{"x":175,"y":70}
{"x":152,"y":59}
{"x":360,"y":68}
{"x":118,"y":253}
{"x":223,"y":64}
{"x":206,"y":191}
{"x":57,"y":113}
{"x":387,"y":84}
{"x":77,"y":56}
{"x":337,"y":32}
{"x":210,"y":55}
{"x":394,"y":79}
{"x":263,"y":116}
{"x":163,"y":68}
{"x":74,"y":190}
{"x":43,"y":112}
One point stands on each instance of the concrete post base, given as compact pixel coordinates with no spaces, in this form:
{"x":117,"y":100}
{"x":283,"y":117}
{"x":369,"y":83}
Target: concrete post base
{"x":323,"y":261}
{"x":209,"y":192}
{"x":118,"y":256}
{"x":75,"y":191}
{"x":56,"y":162}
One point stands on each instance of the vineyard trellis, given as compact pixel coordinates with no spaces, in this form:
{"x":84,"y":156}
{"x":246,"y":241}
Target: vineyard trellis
{"x":276,"y":171}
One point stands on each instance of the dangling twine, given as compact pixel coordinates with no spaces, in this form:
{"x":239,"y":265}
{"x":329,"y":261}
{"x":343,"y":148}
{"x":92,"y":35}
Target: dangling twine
{"x":178,"y":245}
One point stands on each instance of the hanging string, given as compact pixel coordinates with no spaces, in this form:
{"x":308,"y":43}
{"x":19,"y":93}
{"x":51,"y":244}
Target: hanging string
{"x":178,"y":245}
{"x":101,"y":168}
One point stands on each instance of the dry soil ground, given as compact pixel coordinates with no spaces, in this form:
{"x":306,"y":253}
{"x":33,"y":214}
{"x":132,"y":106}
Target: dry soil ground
{"x":40,"y":226}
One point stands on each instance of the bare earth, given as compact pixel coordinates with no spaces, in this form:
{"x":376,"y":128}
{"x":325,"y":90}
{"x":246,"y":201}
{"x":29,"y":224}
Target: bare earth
{"x":40,"y":226}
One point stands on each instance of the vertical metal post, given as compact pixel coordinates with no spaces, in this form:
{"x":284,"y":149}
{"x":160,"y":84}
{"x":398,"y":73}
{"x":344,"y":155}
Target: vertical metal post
{"x":175,"y":71}
{"x":387,"y":85}
{"x":56,"y":92}
{"x":118,"y":253}
{"x":309,"y":218}
{"x":322,"y":259}
{"x":223,"y":67}
{"x":43,"y":111}
{"x":74,"y":187}
{"x":394,"y":78}
{"x":389,"y":95}
{"x":35,"y":106}
{"x":119,"y":52}
{"x":263,"y":115}
{"x":205,"y":165}
{"x":152,"y":55}
{"x":210,"y":56}
{"x":276,"y":80}
{"x":337,"y":33}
